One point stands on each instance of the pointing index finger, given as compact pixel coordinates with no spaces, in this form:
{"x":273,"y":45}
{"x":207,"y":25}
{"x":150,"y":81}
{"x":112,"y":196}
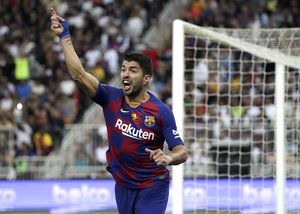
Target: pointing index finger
{"x":150,"y":151}
{"x":53,"y":12}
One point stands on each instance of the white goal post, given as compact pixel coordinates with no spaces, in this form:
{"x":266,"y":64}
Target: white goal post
{"x":235,"y":89}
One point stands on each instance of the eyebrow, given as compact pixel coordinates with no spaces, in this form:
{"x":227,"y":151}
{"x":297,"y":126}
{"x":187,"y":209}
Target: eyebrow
{"x":123,"y":66}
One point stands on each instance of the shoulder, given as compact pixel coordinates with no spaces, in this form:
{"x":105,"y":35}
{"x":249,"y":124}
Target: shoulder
{"x":161,"y":106}
{"x":109,"y":88}
{"x":106,"y":94}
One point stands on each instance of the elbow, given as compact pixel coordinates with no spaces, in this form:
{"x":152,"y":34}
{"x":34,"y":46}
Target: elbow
{"x":185,"y":155}
{"x":179,"y":155}
{"x":182,"y":157}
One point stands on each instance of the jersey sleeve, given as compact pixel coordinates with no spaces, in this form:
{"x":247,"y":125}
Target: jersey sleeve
{"x":106,"y":94}
{"x":169,"y":129}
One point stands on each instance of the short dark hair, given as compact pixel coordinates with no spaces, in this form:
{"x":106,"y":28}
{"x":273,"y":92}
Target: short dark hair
{"x":143,"y":60}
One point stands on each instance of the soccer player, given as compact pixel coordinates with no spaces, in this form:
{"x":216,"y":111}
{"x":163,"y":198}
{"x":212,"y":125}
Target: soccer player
{"x":137,"y":124}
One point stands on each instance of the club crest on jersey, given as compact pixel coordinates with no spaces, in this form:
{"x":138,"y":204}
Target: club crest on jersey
{"x":149,"y":121}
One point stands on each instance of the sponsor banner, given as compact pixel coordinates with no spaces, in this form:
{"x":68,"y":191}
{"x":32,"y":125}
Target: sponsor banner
{"x":62,"y":195}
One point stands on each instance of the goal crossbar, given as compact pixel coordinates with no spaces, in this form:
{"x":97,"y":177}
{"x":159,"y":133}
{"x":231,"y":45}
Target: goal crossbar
{"x":264,"y":52}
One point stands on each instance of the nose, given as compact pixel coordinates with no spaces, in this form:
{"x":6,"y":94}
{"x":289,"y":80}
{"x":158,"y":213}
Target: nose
{"x":125,"y":73}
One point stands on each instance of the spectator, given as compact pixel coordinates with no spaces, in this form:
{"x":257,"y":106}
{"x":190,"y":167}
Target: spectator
{"x":23,"y":90}
{"x":43,"y":142}
{"x":135,"y":24}
{"x":23,"y":134}
{"x":81,"y":157}
{"x":6,"y":102}
{"x":4,"y":148}
{"x":22,"y":66}
{"x":100,"y":152}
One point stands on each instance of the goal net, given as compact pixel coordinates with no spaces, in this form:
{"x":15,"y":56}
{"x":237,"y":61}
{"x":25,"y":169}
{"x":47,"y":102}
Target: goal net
{"x":236,"y":101}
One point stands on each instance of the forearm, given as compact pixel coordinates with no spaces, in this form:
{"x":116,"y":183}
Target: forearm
{"x":72,"y":60}
{"x":86,"y":81}
{"x":178,"y":155}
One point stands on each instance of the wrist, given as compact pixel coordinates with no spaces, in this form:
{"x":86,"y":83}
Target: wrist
{"x":65,"y":31}
{"x":169,"y":159}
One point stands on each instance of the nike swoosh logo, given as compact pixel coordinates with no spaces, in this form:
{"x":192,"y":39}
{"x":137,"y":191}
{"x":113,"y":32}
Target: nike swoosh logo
{"x":124,"y":111}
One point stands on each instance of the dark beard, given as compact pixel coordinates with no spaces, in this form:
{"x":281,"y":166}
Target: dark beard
{"x":135,"y":92}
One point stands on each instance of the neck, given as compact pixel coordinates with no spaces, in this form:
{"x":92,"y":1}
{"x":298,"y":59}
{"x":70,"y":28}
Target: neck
{"x":141,"y":98}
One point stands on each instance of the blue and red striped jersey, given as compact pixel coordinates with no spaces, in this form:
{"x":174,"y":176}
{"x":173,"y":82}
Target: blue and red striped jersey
{"x":130,"y":131}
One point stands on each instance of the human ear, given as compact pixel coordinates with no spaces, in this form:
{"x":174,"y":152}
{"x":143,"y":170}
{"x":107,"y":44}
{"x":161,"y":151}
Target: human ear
{"x":147,"y":78}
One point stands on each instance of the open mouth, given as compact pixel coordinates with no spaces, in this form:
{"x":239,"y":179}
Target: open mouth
{"x":126,"y":85}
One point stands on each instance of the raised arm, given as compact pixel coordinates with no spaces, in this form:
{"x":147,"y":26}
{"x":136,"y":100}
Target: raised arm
{"x":87,"y":82}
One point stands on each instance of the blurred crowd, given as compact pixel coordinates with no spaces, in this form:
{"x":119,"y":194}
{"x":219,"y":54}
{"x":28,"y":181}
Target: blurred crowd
{"x":37,"y":96}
